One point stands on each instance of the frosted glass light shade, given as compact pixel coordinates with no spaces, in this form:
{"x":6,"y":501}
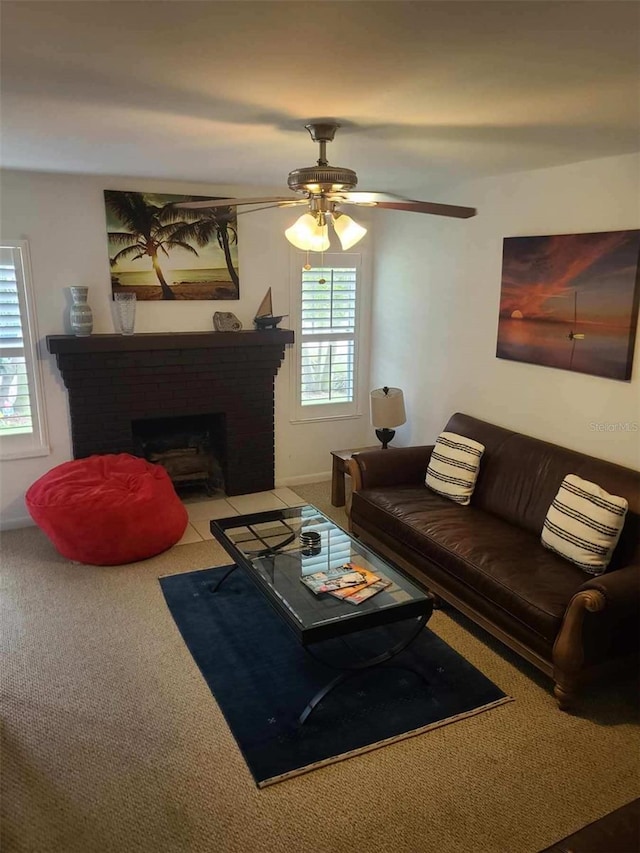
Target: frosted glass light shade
{"x":387,"y":409}
{"x":348,"y":231}
{"x":307,"y":234}
{"x":320,"y":240}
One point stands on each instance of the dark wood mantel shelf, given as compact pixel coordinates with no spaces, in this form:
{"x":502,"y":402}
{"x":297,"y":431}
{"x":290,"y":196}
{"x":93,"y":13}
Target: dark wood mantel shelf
{"x":58,"y":344}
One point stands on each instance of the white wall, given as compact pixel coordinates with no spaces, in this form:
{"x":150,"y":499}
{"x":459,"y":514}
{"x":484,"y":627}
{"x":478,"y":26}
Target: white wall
{"x":63,"y":218}
{"x":435,"y":310}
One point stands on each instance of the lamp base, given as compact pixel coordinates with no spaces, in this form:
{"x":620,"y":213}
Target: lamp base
{"x":385,"y":435}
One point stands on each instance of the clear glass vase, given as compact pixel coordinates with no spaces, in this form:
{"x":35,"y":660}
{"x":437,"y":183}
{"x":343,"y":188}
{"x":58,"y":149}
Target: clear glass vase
{"x":80,"y":315}
{"x":125,"y":312}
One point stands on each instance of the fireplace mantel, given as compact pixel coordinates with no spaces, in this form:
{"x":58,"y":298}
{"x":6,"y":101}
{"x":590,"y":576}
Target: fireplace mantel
{"x":114,"y":380}
{"x":167,"y":340}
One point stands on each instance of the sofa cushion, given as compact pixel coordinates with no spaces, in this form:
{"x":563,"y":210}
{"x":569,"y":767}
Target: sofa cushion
{"x":501,"y":562}
{"x":584,"y":523}
{"x":453,"y":467}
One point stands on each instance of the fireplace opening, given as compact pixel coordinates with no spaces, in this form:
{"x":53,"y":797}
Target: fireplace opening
{"x":191,"y":448}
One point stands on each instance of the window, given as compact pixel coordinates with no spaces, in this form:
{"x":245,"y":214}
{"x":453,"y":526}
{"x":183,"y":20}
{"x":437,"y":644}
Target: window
{"x":328,"y":309}
{"x":22,"y":429}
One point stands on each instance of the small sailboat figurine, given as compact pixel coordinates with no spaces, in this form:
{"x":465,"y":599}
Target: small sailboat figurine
{"x":265,"y":318}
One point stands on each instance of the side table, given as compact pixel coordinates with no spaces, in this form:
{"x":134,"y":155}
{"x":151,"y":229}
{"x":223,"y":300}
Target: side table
{"x":339,"y":471}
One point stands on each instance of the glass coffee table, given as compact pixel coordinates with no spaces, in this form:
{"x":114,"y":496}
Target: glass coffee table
{"x":268,"y":548}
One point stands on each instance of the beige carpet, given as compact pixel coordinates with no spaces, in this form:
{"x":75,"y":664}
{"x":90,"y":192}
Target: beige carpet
{"x":113,"y":743}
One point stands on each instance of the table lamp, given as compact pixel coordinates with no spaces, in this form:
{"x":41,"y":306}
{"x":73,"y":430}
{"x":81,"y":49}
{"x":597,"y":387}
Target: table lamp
{"x":387,"y":410}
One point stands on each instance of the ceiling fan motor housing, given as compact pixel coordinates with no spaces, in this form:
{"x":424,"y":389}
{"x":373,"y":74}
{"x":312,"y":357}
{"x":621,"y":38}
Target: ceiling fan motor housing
{"x":322,"y":179}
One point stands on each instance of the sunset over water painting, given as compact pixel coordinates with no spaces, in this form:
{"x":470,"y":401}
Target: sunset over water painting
{"x":571,"y":301}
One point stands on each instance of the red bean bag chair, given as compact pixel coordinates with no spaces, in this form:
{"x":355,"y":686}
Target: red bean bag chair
{"x":108,"y":510}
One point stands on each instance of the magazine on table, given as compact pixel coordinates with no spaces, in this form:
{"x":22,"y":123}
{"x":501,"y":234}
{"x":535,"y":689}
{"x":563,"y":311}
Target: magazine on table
{"x":369,"y":578}
{"x":334,"y":579}
{"x":367,"y":592}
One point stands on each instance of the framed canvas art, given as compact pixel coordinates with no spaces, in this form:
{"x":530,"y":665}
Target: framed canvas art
{"x":571,"y":301}
{"x":158,"y":251}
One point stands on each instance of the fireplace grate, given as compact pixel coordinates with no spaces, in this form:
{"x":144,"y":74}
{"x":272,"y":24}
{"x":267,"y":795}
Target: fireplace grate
{"x":187,"y":454}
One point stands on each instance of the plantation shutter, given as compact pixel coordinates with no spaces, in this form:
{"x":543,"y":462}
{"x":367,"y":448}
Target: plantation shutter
{"x":22,"y":432}
{"x":328,"y":335}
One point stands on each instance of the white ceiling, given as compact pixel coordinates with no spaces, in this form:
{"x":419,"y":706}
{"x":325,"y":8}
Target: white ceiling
{"x":428,"y":93}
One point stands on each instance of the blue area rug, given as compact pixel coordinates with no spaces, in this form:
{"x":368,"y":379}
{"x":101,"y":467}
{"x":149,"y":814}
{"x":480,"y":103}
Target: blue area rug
{"x":262,"y":679}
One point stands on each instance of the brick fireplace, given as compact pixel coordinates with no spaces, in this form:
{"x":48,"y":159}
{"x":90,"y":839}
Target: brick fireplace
{"x":115,"y":381}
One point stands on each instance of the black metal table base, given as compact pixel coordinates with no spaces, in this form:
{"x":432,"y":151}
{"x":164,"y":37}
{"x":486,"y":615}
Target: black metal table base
{"x":349,"y":670}
{"x":358,"y":666}
{"x":216,"y":586}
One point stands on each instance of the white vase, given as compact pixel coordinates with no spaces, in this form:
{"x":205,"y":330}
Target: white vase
{"x":80,"y":315}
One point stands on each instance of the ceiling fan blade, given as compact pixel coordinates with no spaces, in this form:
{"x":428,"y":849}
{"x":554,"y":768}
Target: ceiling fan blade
{"x":430,"y":207}
{"x":396,"y":202}
{"x":272,"y":206}
{"x":234,"y":202}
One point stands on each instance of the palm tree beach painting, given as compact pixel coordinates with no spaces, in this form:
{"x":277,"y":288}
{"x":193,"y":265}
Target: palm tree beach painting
{"x":571,"y":301}
{"x":158,"y":251}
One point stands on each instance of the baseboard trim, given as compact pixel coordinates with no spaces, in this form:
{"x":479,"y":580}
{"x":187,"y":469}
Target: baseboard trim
{"x":17,"y":523}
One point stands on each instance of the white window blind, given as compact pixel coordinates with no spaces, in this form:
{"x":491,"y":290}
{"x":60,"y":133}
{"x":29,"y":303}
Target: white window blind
{"x":22,"y":431}
{"x":328,"y":335}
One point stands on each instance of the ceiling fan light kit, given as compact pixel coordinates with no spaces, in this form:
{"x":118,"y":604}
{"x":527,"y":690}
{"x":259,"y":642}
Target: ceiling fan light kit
{"x":326,"y":188}
{"x":311,"y":233}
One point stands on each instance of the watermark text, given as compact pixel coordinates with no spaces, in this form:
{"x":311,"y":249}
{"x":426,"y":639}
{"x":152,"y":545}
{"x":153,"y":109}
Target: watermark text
{"x":614,"y":426}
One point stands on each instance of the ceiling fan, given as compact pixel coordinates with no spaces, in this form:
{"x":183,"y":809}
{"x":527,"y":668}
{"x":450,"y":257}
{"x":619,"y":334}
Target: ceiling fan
{"x":325,"y":189}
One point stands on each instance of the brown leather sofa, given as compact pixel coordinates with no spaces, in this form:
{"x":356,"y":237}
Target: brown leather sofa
{"x":486,"y":559}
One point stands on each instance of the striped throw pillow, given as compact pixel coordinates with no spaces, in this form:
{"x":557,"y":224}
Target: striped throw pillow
{"x":584,"y":523}
{"x":453,"y":467}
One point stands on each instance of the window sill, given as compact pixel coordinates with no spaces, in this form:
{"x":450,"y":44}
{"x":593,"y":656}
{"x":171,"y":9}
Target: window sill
{"x":309,"y":420}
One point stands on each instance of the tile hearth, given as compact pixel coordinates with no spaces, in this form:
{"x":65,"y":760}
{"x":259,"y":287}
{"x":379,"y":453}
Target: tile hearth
{"x":202,"y":510}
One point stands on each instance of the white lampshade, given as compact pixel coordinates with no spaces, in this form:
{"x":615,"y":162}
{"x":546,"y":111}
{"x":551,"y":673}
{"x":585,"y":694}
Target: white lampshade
{"x":308,"y":234}
{"x":348,"y":231}
{"x":387,"y":407}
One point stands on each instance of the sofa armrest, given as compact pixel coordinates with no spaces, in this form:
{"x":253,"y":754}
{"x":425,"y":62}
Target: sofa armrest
{"x":620,"y":589}
{"x":618,"y":594}
{"x":394,"y":466}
